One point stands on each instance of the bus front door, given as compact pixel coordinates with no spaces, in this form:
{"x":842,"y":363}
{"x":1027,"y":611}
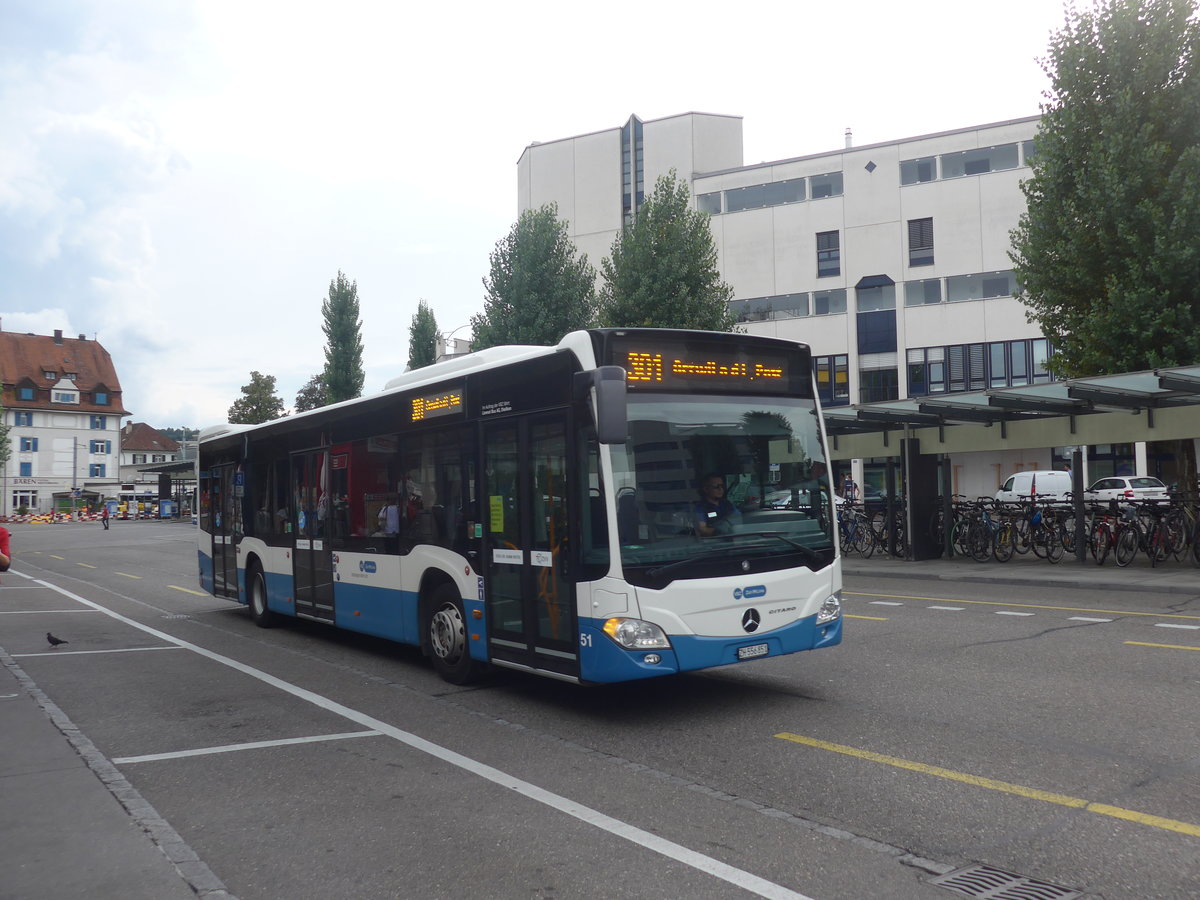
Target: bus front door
{"x":530,"y":603}
{"x":224,"y":506}
{"x":312,"y":558}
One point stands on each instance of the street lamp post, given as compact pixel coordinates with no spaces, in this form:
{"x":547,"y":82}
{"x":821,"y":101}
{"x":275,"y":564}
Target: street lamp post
{"x":443,"y":341}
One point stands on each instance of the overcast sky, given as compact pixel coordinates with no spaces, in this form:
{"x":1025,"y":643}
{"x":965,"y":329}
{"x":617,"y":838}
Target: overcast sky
{"x":182,"y":180}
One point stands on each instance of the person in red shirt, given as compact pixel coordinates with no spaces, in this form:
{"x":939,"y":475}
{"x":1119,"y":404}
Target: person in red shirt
{"x":5,"y":552}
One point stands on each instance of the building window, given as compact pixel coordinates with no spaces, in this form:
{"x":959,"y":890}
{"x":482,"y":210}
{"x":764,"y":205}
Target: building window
{"x":981,"y":286}
{"x":920,"y":242}
{"x":159,"y":457}
{"x":99,"y":423}
{"x":918,"y":171}
{"x":876,"y":385}
{"x":709,"y":203}
{"x":918,"y":293}
{"x":29,"y":445}
{"x":972,"y":367}
{"x":139,"y":458}
{"x":751,"y":197}
{"x":779,"y":193}
{"x":829,"y":303}
{"x":49,"y":374}
{"x":96,"y":470}
{"x":825,"y":185}
{"x":23,"y":418}
{"x":25,"y":393}
{"x":978,"y":162}
{"x":100,"y":446}
{"x":829,"y":254}
{"x":26,"y":470}
{"x":871,"y":299}
{"x":65,"y":397}
{"x":833,"y":379}
{"x":760,"y":309}
{"x":101,"y":398}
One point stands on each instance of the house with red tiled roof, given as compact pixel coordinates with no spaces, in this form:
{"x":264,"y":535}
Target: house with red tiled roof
{"x":62,"y":400}
{"x":142,"y":445}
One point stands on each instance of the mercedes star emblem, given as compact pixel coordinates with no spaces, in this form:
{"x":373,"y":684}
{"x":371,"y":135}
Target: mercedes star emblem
{"x":750,"y":620}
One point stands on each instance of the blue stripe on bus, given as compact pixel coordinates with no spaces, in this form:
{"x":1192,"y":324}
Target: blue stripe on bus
{"x":384,"y":612}
{"x":603,"y":661}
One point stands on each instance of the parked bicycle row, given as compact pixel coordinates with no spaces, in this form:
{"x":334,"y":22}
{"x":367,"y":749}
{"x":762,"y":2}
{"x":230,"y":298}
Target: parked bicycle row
{"x":985,"y":530}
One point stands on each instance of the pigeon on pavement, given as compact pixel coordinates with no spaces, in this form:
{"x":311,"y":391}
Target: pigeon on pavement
{"x":54,"y":642}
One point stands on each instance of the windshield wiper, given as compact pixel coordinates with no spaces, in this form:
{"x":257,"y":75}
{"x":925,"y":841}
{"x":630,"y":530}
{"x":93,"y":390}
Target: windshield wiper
{"x":810,"y":555}
{"x":815,"y":556}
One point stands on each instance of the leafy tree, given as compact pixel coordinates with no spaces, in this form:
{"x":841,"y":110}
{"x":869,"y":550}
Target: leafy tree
{"x":663,"y":271}
{"x":538,"y":289}
{"x":312,"y":395}
{"x":5,"y":442}
{"x":258,"y":403}
{"x":422,"y":337}
{"x":1107,"y":251}
{"x":343,"y":373}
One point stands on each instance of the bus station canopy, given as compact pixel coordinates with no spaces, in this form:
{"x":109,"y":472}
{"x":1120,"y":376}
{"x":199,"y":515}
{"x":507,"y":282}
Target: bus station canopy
{"x":1054,"y":410}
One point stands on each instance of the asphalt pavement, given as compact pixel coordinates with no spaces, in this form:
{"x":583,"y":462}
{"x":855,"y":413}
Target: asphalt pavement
{"x":72,"y":826}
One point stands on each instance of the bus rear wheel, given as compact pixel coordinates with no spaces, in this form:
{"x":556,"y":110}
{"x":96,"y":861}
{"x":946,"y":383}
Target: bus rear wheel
{"x":256,"y":589}
{"x":447,"y":633}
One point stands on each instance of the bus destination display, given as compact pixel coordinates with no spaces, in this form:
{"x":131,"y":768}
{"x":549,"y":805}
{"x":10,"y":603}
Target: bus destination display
{"x":752,"y":370}
{"x":431,"y":407}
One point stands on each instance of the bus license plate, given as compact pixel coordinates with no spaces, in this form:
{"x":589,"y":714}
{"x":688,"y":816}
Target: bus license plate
{"x":752,"y":651}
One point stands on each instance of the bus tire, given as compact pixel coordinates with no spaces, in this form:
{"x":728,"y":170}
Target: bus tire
{"x":256,"y":598}
{"x":446,"y":631}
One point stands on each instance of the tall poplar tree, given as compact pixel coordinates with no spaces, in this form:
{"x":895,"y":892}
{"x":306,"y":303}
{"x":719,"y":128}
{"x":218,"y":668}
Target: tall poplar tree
{"x":1108,"y":249}
{"x":663,"y":271}
{"x":538,"y":288}
{"x":422,"y":337}
{"x":343,"y":373}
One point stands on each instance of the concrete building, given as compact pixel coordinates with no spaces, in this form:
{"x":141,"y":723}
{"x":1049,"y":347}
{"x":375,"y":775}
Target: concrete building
{"x":890,"y":259}
{"x":62,"y":402}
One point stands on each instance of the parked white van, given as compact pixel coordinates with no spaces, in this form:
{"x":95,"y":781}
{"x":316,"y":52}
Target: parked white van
{"x":1051,"y":485}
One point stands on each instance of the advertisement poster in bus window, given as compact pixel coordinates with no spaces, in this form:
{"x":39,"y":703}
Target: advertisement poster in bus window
{"x":496,"y":505}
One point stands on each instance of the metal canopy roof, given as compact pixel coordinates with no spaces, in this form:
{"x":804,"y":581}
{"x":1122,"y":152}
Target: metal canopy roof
{"x":1155,"y":389}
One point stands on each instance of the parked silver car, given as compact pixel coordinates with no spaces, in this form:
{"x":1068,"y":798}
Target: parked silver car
{"x":1126,"y":487}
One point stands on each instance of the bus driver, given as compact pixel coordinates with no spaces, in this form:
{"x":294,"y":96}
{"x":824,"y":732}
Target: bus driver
{"x":713,"y":513}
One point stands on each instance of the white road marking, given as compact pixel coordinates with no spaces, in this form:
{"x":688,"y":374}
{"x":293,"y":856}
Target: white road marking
{"x":230,"y":748}
{"x":1086,"y":619}
{"x":884,"y":603}
{"x":737,"y":877}
{"x":57,"y":652}
{"x":1171,"y":625}
{"x":1007,"y":612}
{"x":26,"y":612}
{"x":948,"y":608}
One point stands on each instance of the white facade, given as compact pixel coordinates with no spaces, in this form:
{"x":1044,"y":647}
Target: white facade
{"x":58,"y":451}
{"x":891,"y":261}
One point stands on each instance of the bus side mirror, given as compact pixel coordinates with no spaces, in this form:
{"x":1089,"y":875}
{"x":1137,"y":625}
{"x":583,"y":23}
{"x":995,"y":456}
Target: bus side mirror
{"x":607,"y":386}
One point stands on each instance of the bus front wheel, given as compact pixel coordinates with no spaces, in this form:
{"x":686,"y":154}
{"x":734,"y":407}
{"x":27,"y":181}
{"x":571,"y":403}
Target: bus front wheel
{"x":256,"y":588}
{"x":447,"y":631}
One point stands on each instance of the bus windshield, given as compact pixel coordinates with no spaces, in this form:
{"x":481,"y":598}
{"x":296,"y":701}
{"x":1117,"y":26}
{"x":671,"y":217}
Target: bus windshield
{"x":704,"y":479}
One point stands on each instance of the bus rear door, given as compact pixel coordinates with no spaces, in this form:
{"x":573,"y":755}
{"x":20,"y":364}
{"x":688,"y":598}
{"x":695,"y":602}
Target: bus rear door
{"x":224,"y":508}
{"x":312,"y":557}
{"x":530,"y":604}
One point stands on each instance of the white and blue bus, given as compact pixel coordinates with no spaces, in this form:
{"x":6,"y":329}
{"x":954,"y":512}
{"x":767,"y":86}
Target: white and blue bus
{"x":555,"y":510}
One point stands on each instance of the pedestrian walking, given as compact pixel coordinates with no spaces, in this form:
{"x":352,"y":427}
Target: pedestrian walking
{"x":104,"y":516}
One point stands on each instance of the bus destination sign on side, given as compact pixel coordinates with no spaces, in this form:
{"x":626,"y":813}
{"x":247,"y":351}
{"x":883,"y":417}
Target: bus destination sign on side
{"x":431,"y":407}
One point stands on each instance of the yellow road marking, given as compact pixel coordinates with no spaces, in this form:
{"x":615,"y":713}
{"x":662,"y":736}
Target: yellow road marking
{"x":52,"y":556}
{"x":85,"y":565}
{"x":1109,"y":612}
{"x":127,"y":575}
{"x":176,"y":587}
{"x":1163,"y":646}
{"x":872,"y":618}
{"x":1100,"y":809}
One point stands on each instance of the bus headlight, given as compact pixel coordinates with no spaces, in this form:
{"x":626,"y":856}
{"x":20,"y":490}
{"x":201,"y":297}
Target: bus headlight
{"x":636,"y":634}
{"x":830,"y":609}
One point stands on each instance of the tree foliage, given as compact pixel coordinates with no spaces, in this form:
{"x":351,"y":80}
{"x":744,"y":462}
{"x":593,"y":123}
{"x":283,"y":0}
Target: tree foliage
{"x":343,"y":373}
{"x":313,"y":394}
{"x":258,"y":403}
{"x":538,"y":288}
{"x":663,"y":270}
{"x":422,"y":337}
{"x":5,"y":442}
{"x":1107,"y":252}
